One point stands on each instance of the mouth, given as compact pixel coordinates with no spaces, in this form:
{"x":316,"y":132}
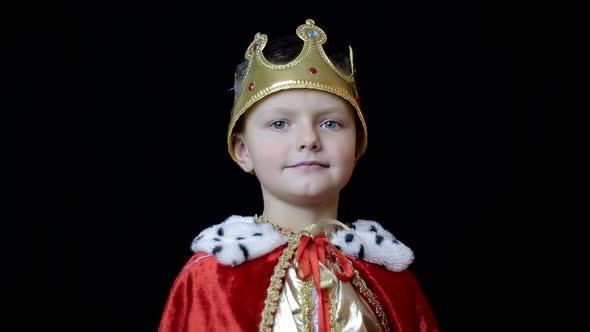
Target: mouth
{"x":309,"y":163}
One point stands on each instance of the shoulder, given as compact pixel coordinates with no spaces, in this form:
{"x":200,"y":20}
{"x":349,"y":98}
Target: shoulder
{"x":368,"y":240}
{"x":237,"y":239}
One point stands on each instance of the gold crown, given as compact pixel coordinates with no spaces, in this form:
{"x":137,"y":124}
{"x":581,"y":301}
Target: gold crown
{"x":311,"y":69}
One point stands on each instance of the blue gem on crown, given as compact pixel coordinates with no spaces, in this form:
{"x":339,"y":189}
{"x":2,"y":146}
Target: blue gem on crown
{"x":312,"y":34}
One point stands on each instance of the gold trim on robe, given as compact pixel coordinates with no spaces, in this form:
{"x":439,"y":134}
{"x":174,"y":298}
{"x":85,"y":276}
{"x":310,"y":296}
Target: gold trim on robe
{"x":297,"y":308}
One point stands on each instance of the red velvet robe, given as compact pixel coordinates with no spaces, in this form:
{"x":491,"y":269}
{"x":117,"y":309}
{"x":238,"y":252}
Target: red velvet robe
{"x":209,"y":296}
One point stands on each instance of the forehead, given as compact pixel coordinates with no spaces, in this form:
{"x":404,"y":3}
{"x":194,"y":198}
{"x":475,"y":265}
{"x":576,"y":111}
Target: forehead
{"x":301,"y":100}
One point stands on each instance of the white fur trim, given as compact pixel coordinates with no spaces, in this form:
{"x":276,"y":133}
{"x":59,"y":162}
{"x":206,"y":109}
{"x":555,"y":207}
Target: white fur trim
{"x":368,"y":240}
{"x":237,"y":240}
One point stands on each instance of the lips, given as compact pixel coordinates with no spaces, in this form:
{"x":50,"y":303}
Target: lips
{"x":308,"y":163}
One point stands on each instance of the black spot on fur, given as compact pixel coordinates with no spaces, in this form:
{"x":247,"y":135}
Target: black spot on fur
{"x":338,"y":247}
{"x":244,"y":250}
{"x":373,"y":228}
{"x":361,"y":252}
{"x":348,"y":238}
{"x":239,"y":238}
{"x":220,"y":231}
{"x":378,"y":239}
{"x":216,"y":239}
{"x":198,"y":238}
{"x":257,"y":234}
{"x":353,"y":227}
{"x":395,"y":241}
{"x":217,"y":249}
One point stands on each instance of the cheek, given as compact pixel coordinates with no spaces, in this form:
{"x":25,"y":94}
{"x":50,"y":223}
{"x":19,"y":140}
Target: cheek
{"x":266,"y":152}
{"x":345,"y":150}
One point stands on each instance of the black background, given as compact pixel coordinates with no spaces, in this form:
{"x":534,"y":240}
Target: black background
{"x":115,"y":155}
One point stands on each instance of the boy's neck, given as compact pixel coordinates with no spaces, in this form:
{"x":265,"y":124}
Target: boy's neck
{"x":296,"y":217}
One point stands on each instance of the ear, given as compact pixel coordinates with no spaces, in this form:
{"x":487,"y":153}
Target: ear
{"x":242,"y":154}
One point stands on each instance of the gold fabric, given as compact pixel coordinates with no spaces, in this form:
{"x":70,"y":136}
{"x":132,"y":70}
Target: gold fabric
{"x":348,"y":310}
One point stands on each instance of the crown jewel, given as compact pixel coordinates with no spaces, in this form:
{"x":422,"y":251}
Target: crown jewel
{"x":311,"y":69}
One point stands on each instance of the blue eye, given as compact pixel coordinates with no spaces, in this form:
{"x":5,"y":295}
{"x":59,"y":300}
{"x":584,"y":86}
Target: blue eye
{"x":280,"y":124}
{"x":330,"y":124}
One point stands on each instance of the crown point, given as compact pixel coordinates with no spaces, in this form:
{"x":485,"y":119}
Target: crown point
{"x":251,"y":86}
{"x":313,"y":70}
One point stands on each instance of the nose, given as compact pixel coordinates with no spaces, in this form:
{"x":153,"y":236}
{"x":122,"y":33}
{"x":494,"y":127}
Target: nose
{"x":308,"y":138}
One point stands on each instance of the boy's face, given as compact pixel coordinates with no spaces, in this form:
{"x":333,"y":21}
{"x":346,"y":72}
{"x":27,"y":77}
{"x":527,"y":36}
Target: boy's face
{"x":300,"y":144}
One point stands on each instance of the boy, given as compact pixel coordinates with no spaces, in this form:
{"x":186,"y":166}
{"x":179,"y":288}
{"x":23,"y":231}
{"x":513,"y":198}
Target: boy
{"x":297,"y":125}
